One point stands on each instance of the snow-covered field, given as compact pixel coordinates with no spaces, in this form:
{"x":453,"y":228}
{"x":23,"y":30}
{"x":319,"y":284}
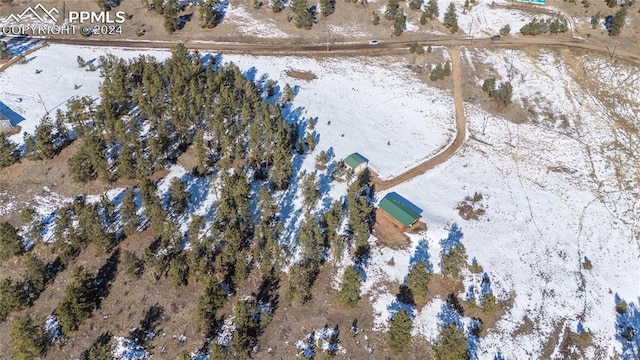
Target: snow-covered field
{"x":240,"y":18}
{"x":356,"y":99}
{"x":549,"y":189}
{"x":551,"y":198}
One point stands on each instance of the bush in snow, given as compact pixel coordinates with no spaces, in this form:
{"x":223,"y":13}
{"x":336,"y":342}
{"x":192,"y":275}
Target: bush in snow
{"x":126,"y":349}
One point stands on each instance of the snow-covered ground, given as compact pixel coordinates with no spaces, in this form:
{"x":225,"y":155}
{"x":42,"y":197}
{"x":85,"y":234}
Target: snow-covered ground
{"x":552,"y":199}
{"x":240,"y":18}
{"x":549,"y":187}
{"x":356,"y":99}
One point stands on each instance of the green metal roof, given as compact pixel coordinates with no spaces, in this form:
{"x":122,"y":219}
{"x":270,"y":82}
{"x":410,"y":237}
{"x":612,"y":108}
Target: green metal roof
{"x":354,"y":160}
{"x":400,"y":208}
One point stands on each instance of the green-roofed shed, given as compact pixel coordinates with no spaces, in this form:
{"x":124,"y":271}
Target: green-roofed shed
{"x":356,"y":162}
{"x":399,"y":210}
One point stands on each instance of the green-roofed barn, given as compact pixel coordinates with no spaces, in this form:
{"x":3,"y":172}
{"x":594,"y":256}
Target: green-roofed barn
{"x":399,"y":210}
{"x":356,"y":162}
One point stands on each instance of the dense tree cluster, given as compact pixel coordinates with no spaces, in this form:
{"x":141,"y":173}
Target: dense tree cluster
{"x":440,"y":71}
{"x":502,"y":94}
{"x":225,"y":108}
{"x":617,"y":22}
{"x":538,"y":27}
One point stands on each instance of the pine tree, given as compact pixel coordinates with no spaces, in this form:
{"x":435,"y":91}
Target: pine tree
{"x":446,"y":71}
{"x":40,"y":146}
{"x":298,"y":289}
{"x":178,"y":196}
{"x":432,"y":9}
{"x":451,"y":18}
{"x":287,"y":94}
{"x":78,"y":302}
{"x":81,"y":62}
{"x":28,"y":339}
{"x":423,"y":18}
{"x":277,"y":6}
{"x":170,"y":14}
{"x":36,"y":275}
{"x":618,"y":22}
{"x":128,"y":215}
{"x":399,"y":335}
{"x":376,"y":18}
{"x":200,"y":153}
{"x":453,"y":261}
{"x":208,"y":304}
{"x":126,"y":167}
{"x":208,"y":13}
{"x":489,"y":85}
{"x":452,"y":344}
{"x":310,"y":141}
{"x":595,"y":20}
{"x":8,"y":151}
{"x":303,"y":17}
{"x":349,"y":292}
{"x":437,"y":73}
{"x":11,"y":294}
{"x":415,"y":4}
{"x":132,"y":265}
{"x":505,"y":30}
{"x":391,"y":10}
{"x":418,"y":281}
{"x":327,"y":7}
{"x":10,"y":241}
{"x":399,"y":23}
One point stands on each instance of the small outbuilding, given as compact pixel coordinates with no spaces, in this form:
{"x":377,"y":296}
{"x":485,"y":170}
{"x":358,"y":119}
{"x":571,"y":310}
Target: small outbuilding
{"x":399,"y":210}
{"x":356,"y":162}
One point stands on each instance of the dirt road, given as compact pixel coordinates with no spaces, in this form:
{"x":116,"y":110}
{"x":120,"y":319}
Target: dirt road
{"x":384,"y":47}
{"x":461,"y":129}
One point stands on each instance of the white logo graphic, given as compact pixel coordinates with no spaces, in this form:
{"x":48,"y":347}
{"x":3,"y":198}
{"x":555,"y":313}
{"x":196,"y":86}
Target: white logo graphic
{"x":45,"y":16}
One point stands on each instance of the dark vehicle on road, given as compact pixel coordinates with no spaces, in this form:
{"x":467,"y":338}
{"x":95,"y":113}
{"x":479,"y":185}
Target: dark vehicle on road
{"x":495,"y":37}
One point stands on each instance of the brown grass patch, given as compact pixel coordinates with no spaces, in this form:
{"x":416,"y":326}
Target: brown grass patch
{"x":389,"y":234}
{"x":489,"y":319}
{"x":301,"y":74}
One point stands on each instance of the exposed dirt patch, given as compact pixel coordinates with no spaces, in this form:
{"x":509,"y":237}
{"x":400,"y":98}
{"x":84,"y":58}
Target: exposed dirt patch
{"x":527,"y":327}
{"x":301,"y":74}
{"x":489,"y":319}
{"x":467,"y":212}
{"x":389,"y":234}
